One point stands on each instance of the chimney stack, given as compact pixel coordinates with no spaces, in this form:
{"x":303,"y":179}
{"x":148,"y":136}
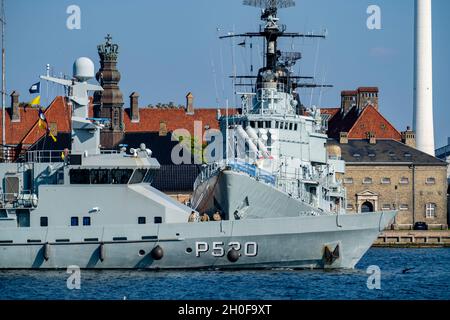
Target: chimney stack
{"x":190,"y":103}
{"x":367,"y":96}
{"x":15,"y":110}
{"x":423,"y":78}
{"x":134,"y":107}
{"x":409,"y":138}
{"x":348,"y":100}
{"x":343,"y":138}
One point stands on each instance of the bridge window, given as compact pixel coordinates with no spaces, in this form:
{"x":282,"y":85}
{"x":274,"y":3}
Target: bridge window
{"x":150,"y":176}
{"x":79,"y":176}
{"x":121,"y":176}
{"x":277,"y":125}
{"x":100,"y":176}
{"x":138,"y":176}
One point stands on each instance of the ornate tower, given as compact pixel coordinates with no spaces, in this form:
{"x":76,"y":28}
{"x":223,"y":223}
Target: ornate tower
{"x":109,"y":103}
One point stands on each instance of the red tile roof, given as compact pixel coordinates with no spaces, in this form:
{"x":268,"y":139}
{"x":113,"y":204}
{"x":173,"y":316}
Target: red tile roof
{"x":370,"y":120}
{"x":357,"y":125}
{"x":349,"y":93}
{"x":26,"y":131}
{"x":150,"y":119}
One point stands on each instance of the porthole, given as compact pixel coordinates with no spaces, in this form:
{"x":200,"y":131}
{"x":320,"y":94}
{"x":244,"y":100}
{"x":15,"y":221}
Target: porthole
{"x":141,"y":252}
{"x":188,"y":250}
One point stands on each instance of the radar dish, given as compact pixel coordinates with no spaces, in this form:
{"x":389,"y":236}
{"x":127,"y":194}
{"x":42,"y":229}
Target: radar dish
{"x":290,"y":58}
{"x":269,"y":4}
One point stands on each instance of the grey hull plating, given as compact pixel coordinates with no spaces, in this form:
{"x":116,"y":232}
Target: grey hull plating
{"x":281,"y":242}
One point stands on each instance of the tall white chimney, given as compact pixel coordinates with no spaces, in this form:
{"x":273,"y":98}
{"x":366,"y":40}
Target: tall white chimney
{"x":423,"y":77}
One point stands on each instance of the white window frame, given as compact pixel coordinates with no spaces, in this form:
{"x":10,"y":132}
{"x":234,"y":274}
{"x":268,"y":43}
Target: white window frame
{"x":403,"y":179}
{"x":404,"y":207}
{"x":430,"y":181}
{"x":348,"y":180}
{"x":367,"y":180}
{"x":385,"y":180}
{"x":430,"y":210}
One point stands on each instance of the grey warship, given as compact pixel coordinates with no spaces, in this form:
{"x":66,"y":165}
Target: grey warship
{"x":281,"y":203}
{"x":278,"y":173}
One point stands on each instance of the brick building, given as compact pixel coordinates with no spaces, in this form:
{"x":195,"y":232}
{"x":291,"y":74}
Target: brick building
{"x":388,"y":175}
{"x":384,"y":171}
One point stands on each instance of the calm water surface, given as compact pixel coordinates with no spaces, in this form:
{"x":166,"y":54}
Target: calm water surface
{"x":428,"y":277}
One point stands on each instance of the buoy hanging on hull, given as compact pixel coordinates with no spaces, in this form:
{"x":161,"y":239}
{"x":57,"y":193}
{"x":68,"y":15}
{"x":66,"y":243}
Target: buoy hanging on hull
{"x":157,"y":253}
{"x":233,"y":255}
{"x":47,"y":251}
{"x":102,"y":252}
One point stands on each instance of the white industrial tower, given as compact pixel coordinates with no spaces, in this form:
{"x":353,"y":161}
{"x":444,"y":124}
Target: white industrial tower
{"x":423,"y":77}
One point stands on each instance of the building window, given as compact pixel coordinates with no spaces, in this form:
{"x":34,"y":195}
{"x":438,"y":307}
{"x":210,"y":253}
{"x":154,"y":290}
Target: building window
{"x":430,"y":210}
{"x":142,"y":220}
{"x":404,"y":180}
{"x":386,"y":181}
{"x":86,"y":221}
{"x":404,"y":207}
{"x":386,"y":207}
{"x":158,"y":220}
{"x":277,"y":125}
{"x":74,"y":221}
{"x":367,"y":180}
{"x":357,"y":155}
{"x":349,"y":206}
{"x":348,"y":180}
{"x":44,"y":221}
{"x":430,"y":180}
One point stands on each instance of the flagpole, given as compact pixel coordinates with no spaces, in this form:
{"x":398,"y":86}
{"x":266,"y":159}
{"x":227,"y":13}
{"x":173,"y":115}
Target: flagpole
{"x":3,"y":77}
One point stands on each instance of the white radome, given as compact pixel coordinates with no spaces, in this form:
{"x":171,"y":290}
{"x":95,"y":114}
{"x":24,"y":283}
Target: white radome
{"x":83,"y":69}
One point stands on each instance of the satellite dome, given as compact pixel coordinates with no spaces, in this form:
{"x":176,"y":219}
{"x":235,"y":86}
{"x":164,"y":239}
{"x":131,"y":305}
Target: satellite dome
{"x":83,"y":69}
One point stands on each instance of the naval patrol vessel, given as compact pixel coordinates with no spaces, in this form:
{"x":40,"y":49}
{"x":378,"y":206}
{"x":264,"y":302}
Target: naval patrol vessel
{"x":279,"y":178}
{"x":280,"y":201}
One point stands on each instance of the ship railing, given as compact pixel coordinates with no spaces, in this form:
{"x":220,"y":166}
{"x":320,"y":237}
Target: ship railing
{"x":52,"y":156}
{"x":253,"y":171}
{"x":47,"y":156}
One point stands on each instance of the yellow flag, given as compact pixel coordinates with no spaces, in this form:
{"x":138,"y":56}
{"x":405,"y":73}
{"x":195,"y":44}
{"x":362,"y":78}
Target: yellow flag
{"x":36,"y":101}
{"x":42,"y":124}
{"x":53,"y":137}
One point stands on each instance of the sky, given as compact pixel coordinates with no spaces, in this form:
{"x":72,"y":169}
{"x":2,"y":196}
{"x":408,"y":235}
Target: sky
{"x":169,"y":48}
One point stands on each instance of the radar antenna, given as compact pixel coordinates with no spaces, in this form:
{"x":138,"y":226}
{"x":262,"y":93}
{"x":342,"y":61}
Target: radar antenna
{"x":270,"y":4}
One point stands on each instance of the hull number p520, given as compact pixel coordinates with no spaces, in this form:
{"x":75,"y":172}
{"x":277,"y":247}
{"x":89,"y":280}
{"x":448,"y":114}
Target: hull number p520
{"x":218,"y":249}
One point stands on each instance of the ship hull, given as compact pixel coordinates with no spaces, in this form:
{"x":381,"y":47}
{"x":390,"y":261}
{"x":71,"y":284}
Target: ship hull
{"x":298,"y":242}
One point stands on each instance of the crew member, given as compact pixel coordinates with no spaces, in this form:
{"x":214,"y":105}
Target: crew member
{"x":192,"y":217}
{"x":205,"y":217}
{"x":216,"y":216}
